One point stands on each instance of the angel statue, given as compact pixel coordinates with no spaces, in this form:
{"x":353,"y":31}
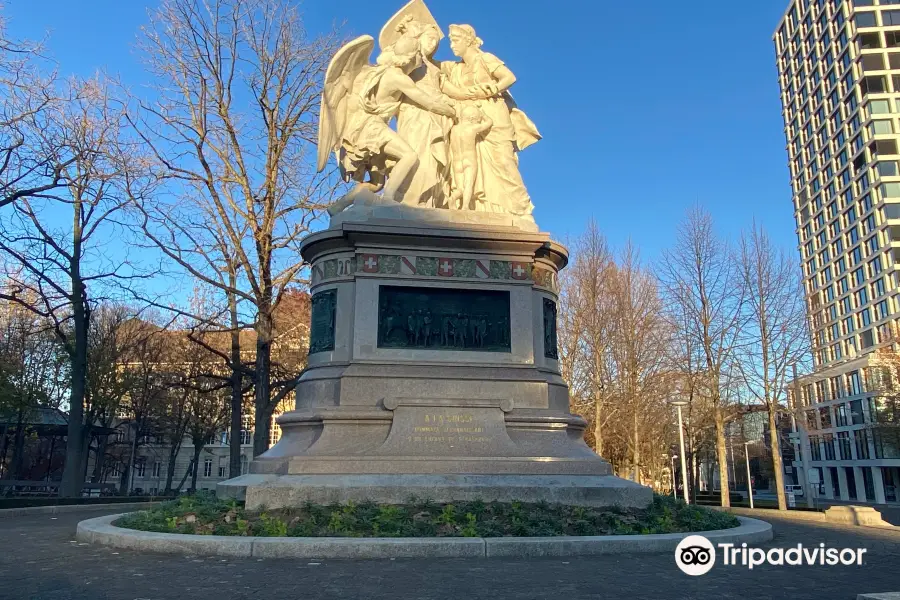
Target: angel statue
{"x":359,"y":102}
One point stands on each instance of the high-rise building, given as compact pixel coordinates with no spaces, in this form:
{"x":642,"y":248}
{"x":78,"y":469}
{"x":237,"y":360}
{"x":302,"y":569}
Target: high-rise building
{"x":839,"y":74}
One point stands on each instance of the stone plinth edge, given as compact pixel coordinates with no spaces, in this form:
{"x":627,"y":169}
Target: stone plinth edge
{"x":102,"y":531}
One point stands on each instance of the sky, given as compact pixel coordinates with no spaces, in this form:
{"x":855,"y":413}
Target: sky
{"x":646,"y":109}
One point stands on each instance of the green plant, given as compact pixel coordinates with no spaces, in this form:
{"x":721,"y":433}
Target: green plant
{"x":203,"y":514}
{"x":448,"y":515}
{"x":470,"y":529}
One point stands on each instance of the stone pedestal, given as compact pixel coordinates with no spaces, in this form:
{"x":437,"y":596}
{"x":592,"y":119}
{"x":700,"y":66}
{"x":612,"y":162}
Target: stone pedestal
{"x":433,"y":371}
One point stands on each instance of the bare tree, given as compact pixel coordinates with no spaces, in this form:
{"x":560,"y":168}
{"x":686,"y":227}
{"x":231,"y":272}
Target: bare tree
{"x":208,"y":411}
{"x":60,"y":271}
{"x":776,"y":336}
{"x":28,"y":98}
{"x":32,"y":375}
{"x":233,"y":130}
{"x":115,"y":339}
{"x":704,"y":288}
{"x":590,"y":306}
{"x":638,"y":355}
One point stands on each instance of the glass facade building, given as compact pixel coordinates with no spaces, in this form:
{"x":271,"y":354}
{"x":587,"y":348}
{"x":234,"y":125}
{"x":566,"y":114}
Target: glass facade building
{"x":839,"y":77}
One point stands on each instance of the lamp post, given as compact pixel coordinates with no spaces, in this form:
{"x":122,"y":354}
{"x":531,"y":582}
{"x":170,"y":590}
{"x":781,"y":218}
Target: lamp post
{"x":749,"y":482}
{"x":678,"y":404}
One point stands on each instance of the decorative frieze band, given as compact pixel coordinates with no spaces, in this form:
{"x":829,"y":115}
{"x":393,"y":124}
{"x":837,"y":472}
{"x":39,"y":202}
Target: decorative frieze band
{"x":434,"y":266}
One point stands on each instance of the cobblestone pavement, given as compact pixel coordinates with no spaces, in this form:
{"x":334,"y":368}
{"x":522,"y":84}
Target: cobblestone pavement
{"x":39,"y":559}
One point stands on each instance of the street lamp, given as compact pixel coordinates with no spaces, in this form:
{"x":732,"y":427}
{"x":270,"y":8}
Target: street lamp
{"x":678,"y":404}
{"x":749,"y":483}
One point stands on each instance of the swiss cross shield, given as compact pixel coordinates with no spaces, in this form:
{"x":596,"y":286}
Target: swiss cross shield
{"x":520,"y":270}
{"x":445,"y":267}
{"x":369,"y":263}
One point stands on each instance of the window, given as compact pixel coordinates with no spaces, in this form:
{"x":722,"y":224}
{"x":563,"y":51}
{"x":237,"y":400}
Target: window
{"x":140,"y":468}
{"x":892,"y":39}
{"x":222,"y":469}
{"x":867,"y":337}
{"x":887,"y":443}
{"x":882,"y":311}
{"x":865,"y":319}
{"x":882,"y":126}
{"x":207,"y":467}
{"x":855,"y":383}
{"x":873,"y":84}
{"x":862,"y":444}
{"x":869,"y":40}
{"x":844,"y":444}
{"x":157,"y":468}
{"x":865,"y":19}
{"x":878,"y":107}
{"x":887,"y":169}
{"x":890,"y":17}
{"x":856,"y":412}
{"x":815,"y":447}
{"x":875,"y":266}
{"x":840,"y":414}
{"x":869,"y":224}
{"x":829,"y":446}
{"x":848,"y":325}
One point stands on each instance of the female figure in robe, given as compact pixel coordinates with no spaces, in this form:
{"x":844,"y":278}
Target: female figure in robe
{"x":482,"y":78}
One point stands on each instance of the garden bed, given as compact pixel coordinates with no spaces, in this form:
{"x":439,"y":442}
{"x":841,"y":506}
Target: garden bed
{"x":205,"y":515}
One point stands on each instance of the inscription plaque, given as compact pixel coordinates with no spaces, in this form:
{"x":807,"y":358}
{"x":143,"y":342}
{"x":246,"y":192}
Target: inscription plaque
{"x":550,"y":347}
{"x":443,"y":319}
{"x":442,"y":429}
{"x":321,"y":331}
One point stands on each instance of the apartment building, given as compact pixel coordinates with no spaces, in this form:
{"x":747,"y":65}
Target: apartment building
{"x":839,"y":74}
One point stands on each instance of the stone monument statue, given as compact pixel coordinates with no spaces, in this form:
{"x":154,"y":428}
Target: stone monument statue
{"x":419,"y":164}
{"x":433,"y":368}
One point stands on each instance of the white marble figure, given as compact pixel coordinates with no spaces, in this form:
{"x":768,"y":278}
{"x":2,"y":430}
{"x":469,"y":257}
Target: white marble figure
{"x":464,"y":151}
{"x":458,"y":129}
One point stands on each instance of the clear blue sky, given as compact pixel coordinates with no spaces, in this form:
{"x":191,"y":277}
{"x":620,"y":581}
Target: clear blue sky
{"x":645,"y":109}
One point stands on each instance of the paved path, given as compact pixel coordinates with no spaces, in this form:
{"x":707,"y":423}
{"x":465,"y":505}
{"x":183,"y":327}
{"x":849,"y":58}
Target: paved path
{"x":40,"y":560}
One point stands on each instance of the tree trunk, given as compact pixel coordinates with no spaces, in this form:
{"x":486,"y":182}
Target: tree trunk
{"x":73,"y":472}
{"x":637,"y":448}
{"x":598,"y":428}
{"x":237,"y":397}
{"x":198,"y":449}
{"x":191,"y":468}
{"x":722,"y":458}
{"x":170,"y":470}
{"x":694,"y":476}
{"x":129,"y":483}
{"x":99,"y":463}
{"x":263,"y":412}
{"x":234,"y":440}
{"x":4,"y":472}
{"x":18,"y":455}
{"x":775,"y":447}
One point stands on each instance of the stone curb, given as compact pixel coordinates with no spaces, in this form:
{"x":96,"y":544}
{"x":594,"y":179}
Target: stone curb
{"x":67,"y":508}
{"x":797,"y":515}
{"x":101,"y":531}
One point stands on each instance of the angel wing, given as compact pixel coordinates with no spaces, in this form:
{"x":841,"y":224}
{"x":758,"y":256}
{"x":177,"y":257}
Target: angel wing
{"x":339,"y":77}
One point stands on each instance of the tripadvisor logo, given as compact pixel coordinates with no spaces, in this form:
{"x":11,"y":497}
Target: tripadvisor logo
{"x":696,"y":555}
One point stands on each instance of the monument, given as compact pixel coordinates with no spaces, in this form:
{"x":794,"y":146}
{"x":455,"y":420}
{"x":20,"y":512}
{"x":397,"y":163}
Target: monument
{"x":433,"y":368}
